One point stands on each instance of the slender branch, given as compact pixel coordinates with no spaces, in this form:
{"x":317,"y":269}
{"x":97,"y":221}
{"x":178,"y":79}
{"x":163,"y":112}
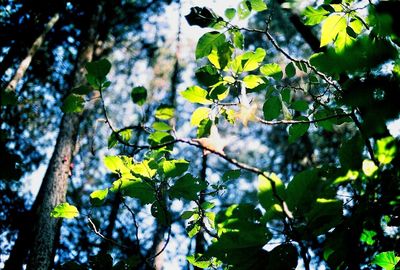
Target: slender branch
{"x":98,"y":233}
{"x":366,"y":141}
{"x":164,"y":247}
{"x":134,"y":223}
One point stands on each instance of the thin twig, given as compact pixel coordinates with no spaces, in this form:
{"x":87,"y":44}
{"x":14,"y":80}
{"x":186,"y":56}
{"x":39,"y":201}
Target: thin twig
{"x":98,"y":233}
{"x":134,"y":223}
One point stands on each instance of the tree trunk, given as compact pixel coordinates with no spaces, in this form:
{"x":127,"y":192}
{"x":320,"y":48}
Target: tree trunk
{"x":54,"y":186}
{"x":25,"y":63}
{"x":200,"y":240}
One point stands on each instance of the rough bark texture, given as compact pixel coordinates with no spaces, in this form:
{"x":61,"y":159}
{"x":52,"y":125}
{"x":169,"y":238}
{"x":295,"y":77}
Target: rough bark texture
{"x":54,"y":186}
{"x":25,"y":63}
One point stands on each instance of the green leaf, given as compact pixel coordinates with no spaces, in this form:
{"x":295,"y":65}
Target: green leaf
{"x":146,"y":169}
{"x":203,"y":17}
{"x":198,"y":115}
{"x":64,"y":210}
{"x":161,"y":126}
{"x":237,"y":38}
{"x":208,"y":75}
{"x":97,"y":197}
{"x":386,"y":150}
{"x":174,"y":168}
{"x":265,"y":192}
{"x":324,"y":215}
{"x":112,"y":140}
{"x":114,"y":163}
{"x":314,"y":16}
{"x":159,"y":137}
{"x":244,"y":9}
{"x":272,"y":108}
{"x":139,"y":95}
{"x":165,"y":112}
{"x":219,"y":92}
{"x":221,"y":56}
{"x":367,"y":237}
{"x":200,"y":261}
{"x":73,"y":104}
{"x":387,"y":260}
{"x":331,"y":27}
{"x":99,"y":69}
{"x":196,"y":94}
{"x":300,"y":105}
{"x":230,"y":13}
{"x":252,"y":81}
{"x":187,"y":214}
{"x":252,"y":60}
{"x":193,"y":229}
{"x":298,"y":130}
{"x":258,"y":5}
{"x":303,"y":190}
{"x":207,"y":205}
{"x":207,"y":42}
{"x":139,"y":190}
{"x":204,"y":128}
{"x":187,"y":187}
{"x":290,"y":70}
{"x":286,"y":95}
{"x":272,"y":70}
{"x":326,"y":124}
{"x":241,"y":237}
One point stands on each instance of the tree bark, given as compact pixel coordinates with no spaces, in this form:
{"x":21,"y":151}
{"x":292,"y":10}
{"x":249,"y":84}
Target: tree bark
{"x":200,"y":240}
{"x":54,"y":186}
{"x":25,"y":63}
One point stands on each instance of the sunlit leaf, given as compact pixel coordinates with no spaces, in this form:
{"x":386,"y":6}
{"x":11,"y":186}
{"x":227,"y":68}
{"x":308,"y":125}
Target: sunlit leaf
{"x":367,"y":237}
{"x":266,"y":193}
{"x":174,"y":168}
{"x":97,"y":197}
{"x":272,"y":70}
{"x":64,"y":210}
{"x":165,"y":112}
{"x":314,"y":15}
{"x":258,"y":5}
{"x":196,"y":94}
{"x":387,"y":260}
{"x":331,"y":27}
{"x":198,"y":115}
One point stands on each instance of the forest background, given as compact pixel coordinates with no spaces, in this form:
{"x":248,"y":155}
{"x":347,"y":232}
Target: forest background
{"x":235,"y":135}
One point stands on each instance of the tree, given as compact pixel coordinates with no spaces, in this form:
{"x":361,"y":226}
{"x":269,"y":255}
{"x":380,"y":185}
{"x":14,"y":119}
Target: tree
{"x":339,"y":211}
